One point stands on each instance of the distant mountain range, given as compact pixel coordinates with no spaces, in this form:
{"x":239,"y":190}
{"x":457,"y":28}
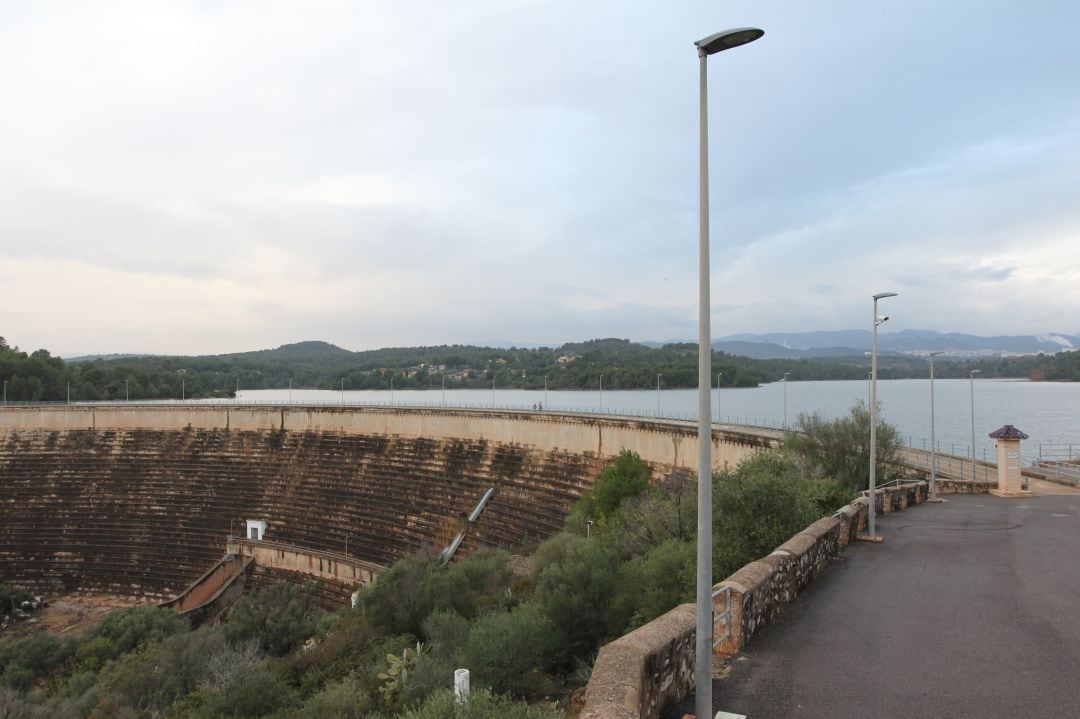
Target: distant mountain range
{"x":797,"y":345}
{"x":774,"y":345}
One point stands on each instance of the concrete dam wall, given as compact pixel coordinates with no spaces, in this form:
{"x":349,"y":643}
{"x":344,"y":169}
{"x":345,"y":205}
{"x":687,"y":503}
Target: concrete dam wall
{"x":138,"y":500}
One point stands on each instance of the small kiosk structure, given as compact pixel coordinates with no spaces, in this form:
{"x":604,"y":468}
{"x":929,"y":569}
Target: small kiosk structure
{"x":1010,"y":480}
{"x":256,"y":529}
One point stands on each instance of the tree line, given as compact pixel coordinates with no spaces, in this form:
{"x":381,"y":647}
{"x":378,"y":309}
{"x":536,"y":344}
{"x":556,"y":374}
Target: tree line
{"x":40,"y":376}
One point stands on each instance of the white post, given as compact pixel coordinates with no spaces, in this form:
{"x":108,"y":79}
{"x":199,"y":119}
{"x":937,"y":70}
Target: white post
{"x":461,"y":686}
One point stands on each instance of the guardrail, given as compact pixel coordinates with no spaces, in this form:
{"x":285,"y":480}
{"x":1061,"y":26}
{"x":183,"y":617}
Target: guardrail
{"x":754,"y":422}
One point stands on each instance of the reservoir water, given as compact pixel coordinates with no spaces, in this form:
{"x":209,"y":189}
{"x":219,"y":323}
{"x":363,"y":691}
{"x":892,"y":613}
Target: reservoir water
{"x":1049,"y":412}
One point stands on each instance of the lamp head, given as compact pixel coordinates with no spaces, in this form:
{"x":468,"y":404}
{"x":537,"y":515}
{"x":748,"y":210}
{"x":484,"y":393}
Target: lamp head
{"x":882,"y":295}
{"x":975,"y":372}
{"x":727,"y":39}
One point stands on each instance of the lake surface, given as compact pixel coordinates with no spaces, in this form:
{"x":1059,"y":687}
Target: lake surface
{"x":1048,"y":412}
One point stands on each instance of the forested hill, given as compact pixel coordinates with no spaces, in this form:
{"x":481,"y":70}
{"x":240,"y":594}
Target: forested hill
{"x":39,"y":376}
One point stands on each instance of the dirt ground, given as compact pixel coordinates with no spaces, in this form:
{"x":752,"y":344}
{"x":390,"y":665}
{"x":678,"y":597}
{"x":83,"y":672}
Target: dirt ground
{"x":67,"y":614}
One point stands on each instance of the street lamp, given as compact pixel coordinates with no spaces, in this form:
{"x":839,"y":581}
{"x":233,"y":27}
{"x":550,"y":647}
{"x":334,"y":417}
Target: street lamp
{"x":601,"y":393}
{"x":873,"y":413}
{"x":933,"y":433}
{"x":658,"y":394}
{"x":703,"y":639}
{"x":391,"y":390}
{"x":718,"y":376}
{"x":545,"y":390}
{"x":127,"y":395}
{"x":785,"y":398}
{"x":588,"y":528}
{"x":492,"y":390}
{"x":444,"y":390}
{"x":971,"y":378}
{"x":343,"y":390}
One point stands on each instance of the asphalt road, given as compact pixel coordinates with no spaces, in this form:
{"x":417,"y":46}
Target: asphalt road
{"x":970,"y":608}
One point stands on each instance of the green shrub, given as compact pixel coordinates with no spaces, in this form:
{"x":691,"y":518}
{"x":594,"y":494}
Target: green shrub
{"x":651,"y":585}
{"x":256,"y":692}
{"x":415,"y":587}
{"x":126,"y":630}
{"x":24,"y":660}
{"x":575,"y":592}
{"x":626,"y":476}
{"x":839,"y":449}
{"x":482,"y":704}
{"x":503,"y":647}
{"x":279,"y":618}
{"x":756,"y":508}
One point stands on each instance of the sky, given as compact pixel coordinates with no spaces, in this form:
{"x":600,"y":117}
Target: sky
{"x":206,"y":177}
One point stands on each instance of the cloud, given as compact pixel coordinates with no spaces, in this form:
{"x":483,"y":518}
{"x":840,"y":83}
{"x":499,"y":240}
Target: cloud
{"x":203,"y":177}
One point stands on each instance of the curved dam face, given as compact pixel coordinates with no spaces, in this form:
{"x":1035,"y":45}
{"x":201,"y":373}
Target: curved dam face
{"x":138,"y":500}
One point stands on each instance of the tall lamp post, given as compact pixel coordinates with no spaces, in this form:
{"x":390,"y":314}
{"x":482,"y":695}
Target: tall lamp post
{"x":601,"y":393}
{"x":873,"y":414}
{"x":785,"y":398}
{"x":658,"y":394}
{"x":971,"y":378}
{"x":710,"y":45}
{"x":718,"y":376}
{"x":933,"y":433}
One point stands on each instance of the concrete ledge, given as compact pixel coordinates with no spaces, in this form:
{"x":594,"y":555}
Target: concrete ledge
{"x":1011,"y":493}
{"x":637,"y":675}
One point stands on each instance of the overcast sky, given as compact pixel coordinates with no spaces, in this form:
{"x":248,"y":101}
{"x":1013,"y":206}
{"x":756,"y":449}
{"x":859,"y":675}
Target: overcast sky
{"x":205,"y":177}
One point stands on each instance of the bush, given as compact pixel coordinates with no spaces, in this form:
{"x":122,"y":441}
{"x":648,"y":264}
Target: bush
{"x":503,"y":647}
{"x":25,"y":660}
{"x":576,"y":591}
{"x":625,"y":477}
{"x":482,"y":704}
{"x":756,"y":508}
{"x":656,"y":583}
{"x":839,"y":449}
{"x":127,"y":630}
{"x":414,"y":587}
{"x":256,"y":692}
{"x":342,"y":699}
{"x":279,"y":618}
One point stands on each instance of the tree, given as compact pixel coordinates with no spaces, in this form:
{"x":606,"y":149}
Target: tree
{"x":625,"y":477}
{"x":279,"y":618}
{"x":839,"y":449}
{"x":756,"y":508}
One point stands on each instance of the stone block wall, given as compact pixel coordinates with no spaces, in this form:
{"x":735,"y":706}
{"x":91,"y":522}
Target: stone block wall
{"x":638,"y":675}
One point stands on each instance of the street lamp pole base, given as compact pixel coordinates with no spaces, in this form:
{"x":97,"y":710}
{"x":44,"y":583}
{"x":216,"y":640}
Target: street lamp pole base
{"x":874,"y":538}
{"x":936,"y":500}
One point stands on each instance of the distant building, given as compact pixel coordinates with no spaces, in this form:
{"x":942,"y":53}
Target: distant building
{"x":1037,"y":375}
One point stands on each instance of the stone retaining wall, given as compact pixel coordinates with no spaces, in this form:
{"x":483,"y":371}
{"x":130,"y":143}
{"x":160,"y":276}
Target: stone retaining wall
{"x":618,"y":688}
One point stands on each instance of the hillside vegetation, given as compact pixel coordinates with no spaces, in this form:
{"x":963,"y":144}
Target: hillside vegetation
{"x":39,"y":376}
